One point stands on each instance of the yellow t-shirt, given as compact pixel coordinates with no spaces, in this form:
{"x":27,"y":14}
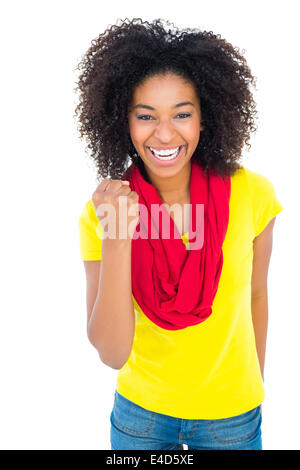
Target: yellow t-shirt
{"x":210,"y":370}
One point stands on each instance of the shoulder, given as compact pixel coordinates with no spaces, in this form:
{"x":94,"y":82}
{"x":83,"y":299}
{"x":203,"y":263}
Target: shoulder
{"x":265,"y":203}
{"x":88,"y":218}
{"x":258,"y":183}
{"x":258,"y":186}
{"x":88,"y":213}
{"x":88,"y":210}
{"x":90,"y":233}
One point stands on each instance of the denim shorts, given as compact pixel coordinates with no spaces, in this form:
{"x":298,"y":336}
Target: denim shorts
{"x":135,"y":428}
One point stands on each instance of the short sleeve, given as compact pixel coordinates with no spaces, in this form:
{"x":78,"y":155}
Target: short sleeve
{"x":90,"y":233}
{"x":264,"y":200}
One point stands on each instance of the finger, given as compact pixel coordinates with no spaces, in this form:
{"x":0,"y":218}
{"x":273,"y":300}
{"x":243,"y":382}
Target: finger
{"x":124,"y":189}
{"x":103,"y":185}
{"x":116,"y":185}
{"x":106,"y":185}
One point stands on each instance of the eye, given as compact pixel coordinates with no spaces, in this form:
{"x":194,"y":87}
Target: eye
{"x":144,"y":116}
{"x":148,"y":116}
{"x":184,"y":114}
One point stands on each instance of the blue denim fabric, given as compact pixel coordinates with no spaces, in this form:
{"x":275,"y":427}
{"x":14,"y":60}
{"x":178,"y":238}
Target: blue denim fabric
{"x":134,"y":427}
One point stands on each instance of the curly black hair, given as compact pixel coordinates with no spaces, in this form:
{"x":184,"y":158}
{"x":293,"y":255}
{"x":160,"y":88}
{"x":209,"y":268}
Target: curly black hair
{"x":125,"y":55}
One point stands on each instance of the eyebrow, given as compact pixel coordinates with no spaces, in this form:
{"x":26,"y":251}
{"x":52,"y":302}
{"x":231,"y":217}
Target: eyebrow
{"x":184,"y":103}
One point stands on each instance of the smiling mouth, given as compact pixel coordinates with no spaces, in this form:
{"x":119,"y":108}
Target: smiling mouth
{"x":167,"y":154}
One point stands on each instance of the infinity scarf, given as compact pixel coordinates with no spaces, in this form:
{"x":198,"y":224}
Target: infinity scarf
{"x":173,"y":286}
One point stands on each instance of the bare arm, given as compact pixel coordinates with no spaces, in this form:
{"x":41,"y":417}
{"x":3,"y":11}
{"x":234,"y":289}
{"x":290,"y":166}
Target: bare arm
{"x":111,"y":322}
{"x":111,"y":319}
{"x":262,"y":249}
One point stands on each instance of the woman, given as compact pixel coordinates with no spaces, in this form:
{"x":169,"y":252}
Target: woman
{"x":182,"y":316}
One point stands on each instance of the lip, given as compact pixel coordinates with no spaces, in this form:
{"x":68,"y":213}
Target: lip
{"x":166,"y":162}
{"x":164,"y":148}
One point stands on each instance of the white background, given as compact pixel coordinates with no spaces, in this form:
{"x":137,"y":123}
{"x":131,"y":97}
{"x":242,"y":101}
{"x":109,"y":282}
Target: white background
{"x":55,"y":392}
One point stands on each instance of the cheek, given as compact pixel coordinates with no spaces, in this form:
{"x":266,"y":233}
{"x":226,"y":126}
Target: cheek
{"x":195,"y":133}
{"x":138,"y":134}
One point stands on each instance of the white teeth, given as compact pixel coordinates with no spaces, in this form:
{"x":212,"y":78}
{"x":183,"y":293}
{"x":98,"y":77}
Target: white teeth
{"x":165,"y":154}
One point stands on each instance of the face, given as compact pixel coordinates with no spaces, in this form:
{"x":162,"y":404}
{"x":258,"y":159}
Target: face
{"x":165,"y":124}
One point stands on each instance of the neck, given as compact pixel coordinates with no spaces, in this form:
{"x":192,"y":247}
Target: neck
{"x":173,"y":189}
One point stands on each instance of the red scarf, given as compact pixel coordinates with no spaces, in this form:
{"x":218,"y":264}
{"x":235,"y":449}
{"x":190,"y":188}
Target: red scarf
{"x":173,"y":286}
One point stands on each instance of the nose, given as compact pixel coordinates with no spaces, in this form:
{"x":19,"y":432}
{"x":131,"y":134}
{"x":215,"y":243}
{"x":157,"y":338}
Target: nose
{"x":164,"y":131}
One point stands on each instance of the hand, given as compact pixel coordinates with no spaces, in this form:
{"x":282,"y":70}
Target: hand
{"x":115,"y":198}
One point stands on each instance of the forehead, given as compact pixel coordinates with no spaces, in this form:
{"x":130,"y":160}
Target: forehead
{"x":165,"y":89}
